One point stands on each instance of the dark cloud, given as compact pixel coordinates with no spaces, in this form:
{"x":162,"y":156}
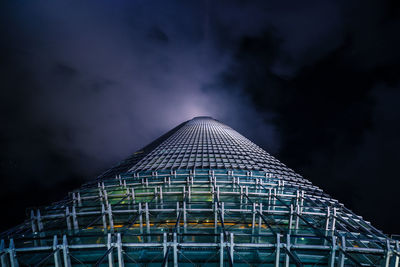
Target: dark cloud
{"x":334,"y":110}
{"x":158,"y":35}
{"x":65,"y":71}
{"x":86,"y":84}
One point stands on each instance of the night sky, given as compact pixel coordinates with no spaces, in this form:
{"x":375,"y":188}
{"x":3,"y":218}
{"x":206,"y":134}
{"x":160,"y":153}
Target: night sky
{"x":86,"y":83}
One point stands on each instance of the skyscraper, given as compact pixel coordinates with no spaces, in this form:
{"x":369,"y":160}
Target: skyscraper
{"x":202,"y":195}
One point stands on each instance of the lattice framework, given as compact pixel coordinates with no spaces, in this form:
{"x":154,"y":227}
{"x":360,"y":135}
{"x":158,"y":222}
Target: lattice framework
{"x":162,"y":208}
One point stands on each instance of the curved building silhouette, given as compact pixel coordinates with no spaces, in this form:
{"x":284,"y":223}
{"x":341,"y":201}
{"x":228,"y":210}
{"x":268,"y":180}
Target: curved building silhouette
{"x":200,"y":195}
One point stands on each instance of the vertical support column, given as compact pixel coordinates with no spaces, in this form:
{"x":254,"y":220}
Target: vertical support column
{"x":146,"y":207}
{"x":105,"y":197}
{"x":260,"y":209}
{"x":33,"y":222}
{"x":215,"y":221}
{"x":291,"y":217}
{"x":57,"y":258}
{"x":388,"y":254}
{"x":79,"y":199}
{"x":297,"y":212}
{"x":103,"y":215}
{"x":110,"y":255}
{"x":128,"y":193}
{"x":247,"y":193}
{"x":231,"y":246}
{"x":215,"y":207}
{"x":161,"y":196}
{"x":302,"y":201}
{"x":74,"y":218}
{"x":140,"y":218}
{"x":221,"y":250}
{"x":215,"y":180}
{"x":333,"y":252}
{"x":175,"y":250}
{"x":184,"y":217}
{"x":256,"y":186}
{"x":328,"y":213}
{"x":3,"y":255}
{"x":177,"y":216}
{"x":279,"y":184}
{"x":223,"y":211}
{"x":67,"y":259}
{"x":296,"y":208}
{"x":241,"y":196}
{"x":119,"y":250}
{"x":39,"y":226}
{"x":341,"y":255}
{"x":260,"y":221}
{"x":133,"y":195}
{"x":287,"y":259}
{"x":212,"y":194}
{"x":269,"y":198}
{"x":334,"y":219}
{"x":101,"y":197}
{"x":74,"y":199}
{"x":39,"y":221}
{"x":68,"y":218}
{"x":13,"y":256}
{"x":395,"y":258}
{"x":110,"y":218}
{"x":165,"y":244}
{"x":278,"y":250}
{"x":253,"y":220}
{"x":3,"y":259}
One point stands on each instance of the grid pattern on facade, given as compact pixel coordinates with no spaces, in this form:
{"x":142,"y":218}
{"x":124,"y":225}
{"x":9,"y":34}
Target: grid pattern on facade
{"x":207,"y":143}
{"x":127,"y":164}
{"x":171,"y":216}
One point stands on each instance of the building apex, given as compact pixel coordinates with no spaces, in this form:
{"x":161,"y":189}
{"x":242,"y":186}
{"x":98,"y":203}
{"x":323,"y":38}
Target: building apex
{"x":203,"y":117}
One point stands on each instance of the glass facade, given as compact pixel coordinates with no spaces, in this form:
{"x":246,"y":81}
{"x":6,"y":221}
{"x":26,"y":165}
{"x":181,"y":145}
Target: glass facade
{"x":201,"y":195}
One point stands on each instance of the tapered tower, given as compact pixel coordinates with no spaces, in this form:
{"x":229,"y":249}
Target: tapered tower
{"x":202,"y":195}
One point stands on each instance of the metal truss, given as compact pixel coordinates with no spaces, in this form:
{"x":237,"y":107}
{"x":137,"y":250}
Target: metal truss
{"x":197,"y":217}
{"x":200,"y":195}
